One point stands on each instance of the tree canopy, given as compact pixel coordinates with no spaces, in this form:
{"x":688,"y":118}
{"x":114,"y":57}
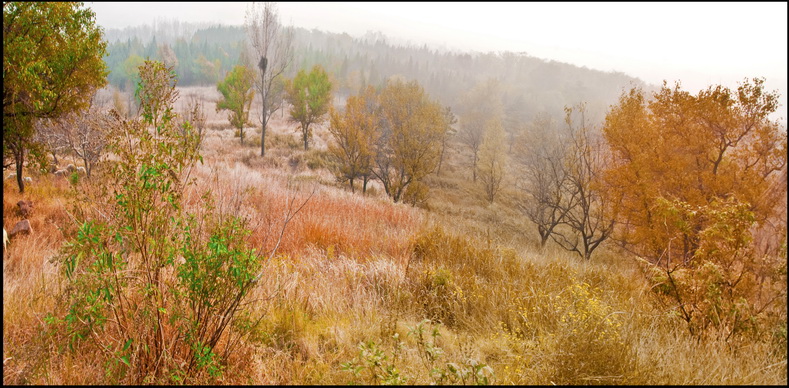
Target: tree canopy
{"x":237,"y":96}
{"x":309,"y":95}
{"x":720,"y":139}
{"x":689,"y":183}
{"x":52,"y":64}
{"x":409,"y":146}
{"x":354,"y":132}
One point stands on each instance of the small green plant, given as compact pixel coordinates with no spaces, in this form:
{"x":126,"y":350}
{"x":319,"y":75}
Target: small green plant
{"x":470,"y":371}
{"x":74,"y":178}
{"x":378,"y":364}
{"x":316,"y":159}
{"x":383,"y":368}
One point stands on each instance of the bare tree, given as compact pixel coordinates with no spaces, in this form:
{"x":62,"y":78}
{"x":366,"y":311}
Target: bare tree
{"x":586,"y":211}
{"x":194,"y":114}
{"x":480,"y":104}
{"x":84,"y":135}
{"x":49,"y":134}
{"x":168,"y":56}
{"x":492,"y":159}
{"x":273,"y":45}
{"x":539,"y":155}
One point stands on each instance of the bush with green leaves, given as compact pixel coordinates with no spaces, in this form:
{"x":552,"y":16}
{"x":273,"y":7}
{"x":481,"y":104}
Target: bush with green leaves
{"x":155,"y":287}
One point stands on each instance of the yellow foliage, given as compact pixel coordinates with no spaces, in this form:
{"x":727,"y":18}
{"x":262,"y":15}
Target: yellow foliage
{"x":716,"y":144}
{"x":688,"y":184}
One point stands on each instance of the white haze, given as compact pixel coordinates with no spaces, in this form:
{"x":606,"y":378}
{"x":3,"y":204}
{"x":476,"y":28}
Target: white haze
{"x":699,"y":44}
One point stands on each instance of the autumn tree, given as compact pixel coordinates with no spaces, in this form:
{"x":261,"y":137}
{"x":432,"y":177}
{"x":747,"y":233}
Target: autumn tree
{"x":539,"y":157}
{"x":237,"y":96}
{"x":722,"y":141}
{"x":273,"y":45}
{"x":688,"y":180}
{"x":408,"y":147}
{"x":450,"y":119}
{"x":207,"y":71}
{"x":52,"y":64}
{"x":354,"y":132}
{"x":309,"y":95}
{"x":478,"y":106}
{"x":168,"y":56}
{"x":492,"y":159}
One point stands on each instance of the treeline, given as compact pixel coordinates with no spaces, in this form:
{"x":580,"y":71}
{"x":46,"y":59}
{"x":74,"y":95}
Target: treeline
{"x":532,"y":85}
{"x":203,"y":59}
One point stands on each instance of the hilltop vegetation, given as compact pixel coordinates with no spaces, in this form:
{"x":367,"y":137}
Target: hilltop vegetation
{"x":392,"y":236}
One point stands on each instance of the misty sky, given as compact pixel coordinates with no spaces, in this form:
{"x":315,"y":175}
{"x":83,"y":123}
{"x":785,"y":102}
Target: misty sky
{"x":697,"y":43}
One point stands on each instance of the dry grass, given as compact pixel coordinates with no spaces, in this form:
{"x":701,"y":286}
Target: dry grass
{"x":353,"y":268}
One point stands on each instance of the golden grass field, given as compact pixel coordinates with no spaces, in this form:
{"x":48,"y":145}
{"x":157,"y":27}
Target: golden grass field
{"x":354,"y":268}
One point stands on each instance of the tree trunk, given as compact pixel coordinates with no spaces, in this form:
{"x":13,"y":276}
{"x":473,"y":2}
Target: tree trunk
{"x":264,"y":121}
{"x":474,"y":167}
{"x":263,"y":141}
{"x":19,"y":155}
{"x":441,"y":157}
{"x":87,"y":167}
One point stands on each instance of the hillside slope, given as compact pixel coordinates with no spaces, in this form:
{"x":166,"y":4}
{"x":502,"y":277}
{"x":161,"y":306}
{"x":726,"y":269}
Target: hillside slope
{"x":366,"y":291}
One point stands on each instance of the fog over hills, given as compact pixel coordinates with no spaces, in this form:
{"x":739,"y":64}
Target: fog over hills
{"x":529,"y":85}
{"x":694,"y":43}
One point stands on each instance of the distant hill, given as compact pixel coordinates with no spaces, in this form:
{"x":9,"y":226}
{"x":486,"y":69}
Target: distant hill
{"x":206,"y":52}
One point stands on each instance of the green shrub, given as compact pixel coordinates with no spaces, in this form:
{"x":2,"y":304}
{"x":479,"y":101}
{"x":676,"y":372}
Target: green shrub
{"x":150,"y":284}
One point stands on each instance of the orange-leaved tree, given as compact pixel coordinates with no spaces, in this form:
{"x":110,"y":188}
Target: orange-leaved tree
{"x":688,"y":181}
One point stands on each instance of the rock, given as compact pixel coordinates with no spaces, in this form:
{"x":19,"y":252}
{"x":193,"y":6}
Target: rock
{"x":21,"y":227}
{"x":61,"y":173}
{"x":71,"y":168}
{"x":25,"y":208}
